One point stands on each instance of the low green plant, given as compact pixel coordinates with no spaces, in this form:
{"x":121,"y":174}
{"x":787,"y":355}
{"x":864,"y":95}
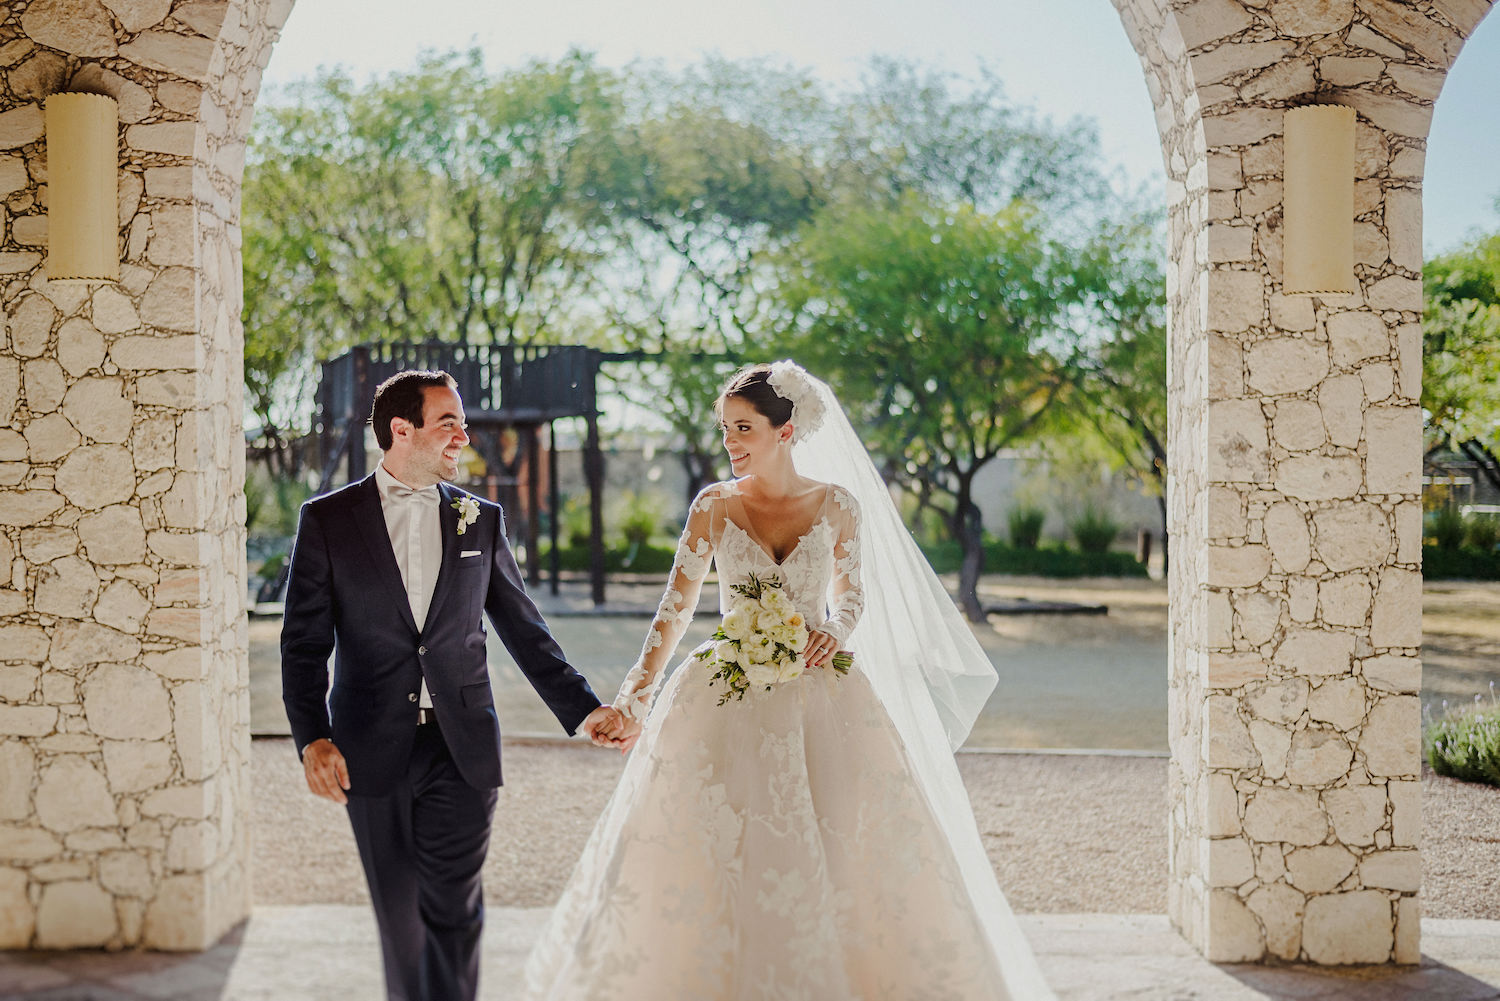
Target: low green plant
{"x":1483,"y":532}
{"x":573,"y":521}
{"x":639,"y":517}
{"x":1446,"y":527}
{"x":1093,"y":529}
{"x":1464,"y":742}
{"x":1025,"y":526}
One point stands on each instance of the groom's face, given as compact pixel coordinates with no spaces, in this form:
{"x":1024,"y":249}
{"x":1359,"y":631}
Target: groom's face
{"x":434,"y":447}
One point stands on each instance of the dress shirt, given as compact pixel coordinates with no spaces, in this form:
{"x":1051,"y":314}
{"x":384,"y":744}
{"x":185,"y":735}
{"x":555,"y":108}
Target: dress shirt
{"x":412,"y":522}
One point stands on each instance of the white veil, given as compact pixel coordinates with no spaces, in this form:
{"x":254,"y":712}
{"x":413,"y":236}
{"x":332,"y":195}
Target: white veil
{"x":925,"y":665}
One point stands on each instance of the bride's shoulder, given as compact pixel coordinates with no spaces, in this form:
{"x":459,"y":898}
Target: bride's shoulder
{"x":713,"y":494}
{"x":838,"y":496}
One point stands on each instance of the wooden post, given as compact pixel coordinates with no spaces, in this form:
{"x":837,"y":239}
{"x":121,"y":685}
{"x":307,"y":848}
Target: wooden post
{"x":593,"y":471}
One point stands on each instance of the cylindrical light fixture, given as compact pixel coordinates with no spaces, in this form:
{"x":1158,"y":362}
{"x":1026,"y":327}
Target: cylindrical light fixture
{"x":1318,"y":201}
{"x":83,"y":189}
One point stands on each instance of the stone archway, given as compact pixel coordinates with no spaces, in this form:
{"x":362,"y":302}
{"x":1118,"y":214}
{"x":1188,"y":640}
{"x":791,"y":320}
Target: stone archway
{"x":1295,"y":444}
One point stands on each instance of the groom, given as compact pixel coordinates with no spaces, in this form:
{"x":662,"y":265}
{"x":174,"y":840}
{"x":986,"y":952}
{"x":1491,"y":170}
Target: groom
{"x":392,"y":575}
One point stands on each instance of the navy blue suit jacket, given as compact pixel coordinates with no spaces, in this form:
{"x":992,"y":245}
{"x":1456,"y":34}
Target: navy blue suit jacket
{"x":345,"y":597}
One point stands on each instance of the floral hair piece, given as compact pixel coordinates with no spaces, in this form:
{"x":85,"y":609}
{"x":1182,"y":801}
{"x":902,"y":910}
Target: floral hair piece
{"x":792,"y":383}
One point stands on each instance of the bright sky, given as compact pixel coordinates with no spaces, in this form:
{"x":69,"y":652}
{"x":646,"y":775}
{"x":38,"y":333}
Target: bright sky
{"x":1065,"y":58}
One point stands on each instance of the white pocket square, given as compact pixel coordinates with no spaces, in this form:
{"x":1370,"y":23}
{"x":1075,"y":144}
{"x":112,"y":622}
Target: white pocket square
{"x":469,"y":552}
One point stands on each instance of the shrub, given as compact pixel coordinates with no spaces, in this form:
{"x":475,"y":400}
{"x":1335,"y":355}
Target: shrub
{"x":1447,"y":528}
{"x":1044,"y":561}
{"x":1094,"y":530}
{"x":1025,"y":524}
{"x":639,"y":517}
{"x":573,"y":521}
{"x":1484,"y":532}
{"x":1465,"y":743}
{"x":1459,"y":564}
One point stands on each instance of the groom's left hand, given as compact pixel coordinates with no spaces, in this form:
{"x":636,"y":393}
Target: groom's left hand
{"x":602,"y":726}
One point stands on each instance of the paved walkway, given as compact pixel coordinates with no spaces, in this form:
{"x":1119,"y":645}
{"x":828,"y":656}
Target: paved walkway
{"x":329,"y":953}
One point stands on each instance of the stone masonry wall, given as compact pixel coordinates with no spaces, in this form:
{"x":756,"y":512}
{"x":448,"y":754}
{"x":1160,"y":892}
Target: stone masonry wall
{"x":124,"y":730}
{"x":1295,"y":493}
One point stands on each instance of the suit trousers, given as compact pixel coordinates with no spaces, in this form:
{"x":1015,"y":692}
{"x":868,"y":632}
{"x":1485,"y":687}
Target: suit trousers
{"x":422,"y":847}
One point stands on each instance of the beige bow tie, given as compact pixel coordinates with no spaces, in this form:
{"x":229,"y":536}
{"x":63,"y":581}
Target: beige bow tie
{"x":402,"y":492}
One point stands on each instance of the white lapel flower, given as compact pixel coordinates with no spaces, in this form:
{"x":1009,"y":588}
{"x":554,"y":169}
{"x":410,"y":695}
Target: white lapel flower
{"x":468,"y":512}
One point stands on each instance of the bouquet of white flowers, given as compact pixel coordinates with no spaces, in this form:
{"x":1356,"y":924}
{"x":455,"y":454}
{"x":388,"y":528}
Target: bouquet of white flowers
{"x":760,"y":641}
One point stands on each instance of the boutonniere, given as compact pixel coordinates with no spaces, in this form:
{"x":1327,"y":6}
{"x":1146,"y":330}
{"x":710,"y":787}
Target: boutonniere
{"x":468,"y":512}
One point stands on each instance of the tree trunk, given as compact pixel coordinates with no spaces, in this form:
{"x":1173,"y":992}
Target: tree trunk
{"x":969,"y":530}
{"x":1486,"y":460}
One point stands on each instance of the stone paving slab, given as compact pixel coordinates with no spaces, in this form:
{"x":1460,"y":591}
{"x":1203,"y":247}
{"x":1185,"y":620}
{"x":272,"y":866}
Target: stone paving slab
{"x":329,"y":953}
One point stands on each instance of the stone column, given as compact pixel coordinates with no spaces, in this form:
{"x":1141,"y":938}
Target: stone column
{"x":1295,"y":489}
{"x":124,"y":729}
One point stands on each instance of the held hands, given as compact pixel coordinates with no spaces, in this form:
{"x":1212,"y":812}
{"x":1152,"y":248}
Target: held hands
{"x":608,"y":727}
{"x":327,"y":774}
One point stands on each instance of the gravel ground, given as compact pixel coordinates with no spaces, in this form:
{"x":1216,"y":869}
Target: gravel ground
{"x":1066,"y":833}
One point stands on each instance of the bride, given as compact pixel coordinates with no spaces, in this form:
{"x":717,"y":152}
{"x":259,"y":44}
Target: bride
{"x":812,"y":839}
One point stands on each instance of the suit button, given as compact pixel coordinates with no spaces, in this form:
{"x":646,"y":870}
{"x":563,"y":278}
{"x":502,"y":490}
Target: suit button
{"x":421,"y":651}
{"x":412,"y":697}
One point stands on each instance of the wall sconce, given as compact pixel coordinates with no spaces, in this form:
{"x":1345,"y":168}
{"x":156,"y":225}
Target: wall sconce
{"x":83,"y":189}
{"x":1318,"y":201}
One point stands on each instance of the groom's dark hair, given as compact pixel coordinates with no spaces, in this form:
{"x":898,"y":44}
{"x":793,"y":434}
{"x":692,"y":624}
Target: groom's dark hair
{"x":401,"y":396}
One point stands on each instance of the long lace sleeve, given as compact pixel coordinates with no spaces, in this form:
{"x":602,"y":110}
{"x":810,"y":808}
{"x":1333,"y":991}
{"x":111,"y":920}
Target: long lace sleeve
{"x":695,"y":550}
{"x":846,"y":595}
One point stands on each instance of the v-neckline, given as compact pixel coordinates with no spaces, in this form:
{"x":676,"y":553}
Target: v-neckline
{"x":750,"y":532}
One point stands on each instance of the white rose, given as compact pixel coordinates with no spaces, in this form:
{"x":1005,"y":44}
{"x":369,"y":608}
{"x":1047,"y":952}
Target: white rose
{"x":725,"y":651}
{"x":761,"y":675}
{"x":790,"y":669}
{"x":776,"y":600}
{"x":738,"y":623}
{"x":761,"y":652}
{"x":798,"y":641}
{"x":767,"y":620}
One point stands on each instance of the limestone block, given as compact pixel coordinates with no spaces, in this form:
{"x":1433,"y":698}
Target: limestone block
{"x":1398,"y":869}
{"x":1397,"y":619}
{"x":126,"y":873}
{"x":1311,"y":17}
{"x":113,"y":312}
{"x":96,"y":476}
{"x":155,"y":353}
{"x":74,"y":915}
{"x":1272,"y":743}
{"x":185,"y":624}
{"x":172,"y":236}
{"x":170,"y":302}
{"x":1313,"y":652}
{"x":50,"y":438}
{"x":1259,"y":615}
{"x":178,"y":587}
{"x":1345,"y":601}
{"x":80,"y":644}
{"x":99,"y":409}
{"x":1226,"y":742}
{"x":1223,"y":815}
{"x":1298,"y":425}
{"x":1283,"y":365}
{"x":170,"y":138}
{"x":190,"y":802}
{"x":66,"y":587}
{"x":1228,"y":243}
{"x":1204,"y":21}
{"x":1227,"y":861}
{"x":76,"y":27}
{"x":1320,"y":868}
{"x":1261,"y":196}
{"x":1396,"y":292}
{"x":1293,"y":816}
{"x":126,"y":703}
{"x":13,"y":175}
{"x":1433,"y":41}
{"x":73,"y":794}
{"x":1226,"y":377}
{"x":1241,"y":127}
{"x":1380,"y":382}
{"x":186,"y":664}
{"x":44,"y":382}
{"x":1233,"y":935}
{"x":1237,"y":566}
{"x":1236,"y":299}
{"x":136,"y":765}
{"x":17,"y":918}
{"x":1346,"y":71}
{"x":179,"y":550}
{"x":29,"y":230}
{"x":1341,"y":398}
{"x":180,"y":506}
{"x":1403,"y":224}
{"x":1340,"y":701}
{"x":28,"y":844}
{"x":122,"y":606}
{"x":1219,"y":618}
{"x":167,"y":389}
{"x":153,"y":442}
{"x":27,"y":507}
{"x":1318,"y":757}
{"x":1355,"y":336}
{"x":182,"y":55}
{"x":1370,"y":245}
{"x":1224,"y":171}
{"x":1394,"y":464}
{"x":1346,"y":928}
{"x":138,"y":15}
{"x":1280,"y":909}
{"x":31,"y":325}
{"x":1286,"y":79}
{"x":1357,"y":812}
{"x":1406,"y":811}
{"x":17,"y":772}
{"x":1226,"y":513}
{"x":190,"y":847}
{"x":1392,"y":737}
{"x":79,"y":347}
{"x":1408,"y":931}
{"x":1393,"y":673}
{"x":27,"y":721}
{"x":1352,"y":537}
{"x":174,"y":919}
{"x":113,"y":535}
{"x":1287,"y":535}
{"x":1281,"y":701}
{"x":1237,"y":444}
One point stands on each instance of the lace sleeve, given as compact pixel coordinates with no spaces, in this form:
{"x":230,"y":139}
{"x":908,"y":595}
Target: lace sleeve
{"x":695,"y":552}
{"x":846,"y":595}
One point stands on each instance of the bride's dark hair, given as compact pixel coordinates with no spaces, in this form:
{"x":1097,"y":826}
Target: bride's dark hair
{"x":752,"y":384}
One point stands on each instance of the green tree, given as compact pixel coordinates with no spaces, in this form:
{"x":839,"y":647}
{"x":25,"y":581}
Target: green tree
{"x":1461,"y":353}
{"x":948,"y":332}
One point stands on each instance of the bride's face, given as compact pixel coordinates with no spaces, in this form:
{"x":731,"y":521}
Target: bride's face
{"x":749,"y":438}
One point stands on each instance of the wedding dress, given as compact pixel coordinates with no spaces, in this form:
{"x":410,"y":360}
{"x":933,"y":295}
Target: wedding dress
{"x":784,"y":846}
